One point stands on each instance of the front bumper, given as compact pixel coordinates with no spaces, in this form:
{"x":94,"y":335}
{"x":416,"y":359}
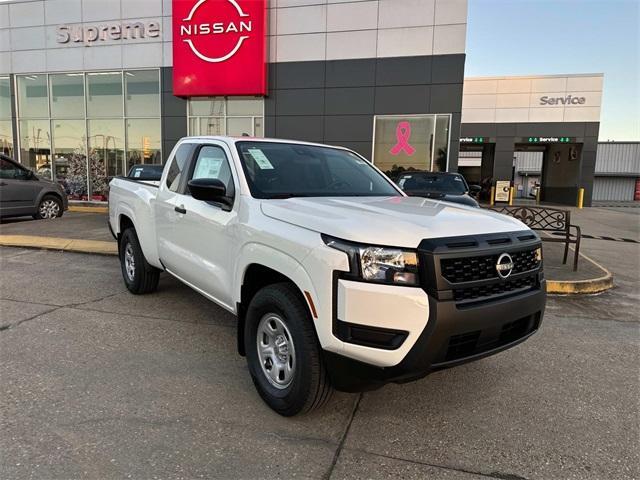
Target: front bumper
{"x":452,"y":337}
{"x":464,"y":314}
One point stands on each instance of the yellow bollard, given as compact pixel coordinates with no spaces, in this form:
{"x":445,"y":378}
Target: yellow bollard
{"x":493,"y":196}
{"x":511,"y":193}
{"x":538,"y":196}
{"x":580,"y":197}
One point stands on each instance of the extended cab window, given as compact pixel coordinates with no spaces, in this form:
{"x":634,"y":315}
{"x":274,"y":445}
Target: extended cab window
{"x":282,"y":170}
{"x":177,"y":166}
{"x":212,"y":163}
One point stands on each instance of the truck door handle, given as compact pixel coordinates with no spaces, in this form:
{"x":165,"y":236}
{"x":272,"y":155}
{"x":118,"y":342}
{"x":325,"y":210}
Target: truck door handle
{"x":181,"y":210}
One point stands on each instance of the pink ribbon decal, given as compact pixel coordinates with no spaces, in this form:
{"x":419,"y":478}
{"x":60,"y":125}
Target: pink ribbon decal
{"x":403,"y":134}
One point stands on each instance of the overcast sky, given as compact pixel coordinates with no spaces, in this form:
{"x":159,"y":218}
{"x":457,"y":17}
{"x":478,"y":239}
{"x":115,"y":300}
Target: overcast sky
{"x":522,"y":37}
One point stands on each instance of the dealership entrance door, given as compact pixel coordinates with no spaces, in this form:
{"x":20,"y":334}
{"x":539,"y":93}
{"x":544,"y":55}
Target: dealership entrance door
{"x":476,"y":162}
{"x":559,"y":179}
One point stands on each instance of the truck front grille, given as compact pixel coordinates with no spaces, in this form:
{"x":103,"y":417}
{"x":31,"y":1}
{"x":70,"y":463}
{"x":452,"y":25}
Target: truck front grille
{"x":474,"y":268}
{"x":506,"y":287}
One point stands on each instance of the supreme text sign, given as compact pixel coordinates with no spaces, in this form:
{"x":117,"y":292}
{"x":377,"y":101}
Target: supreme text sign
{"x":219,"y":47}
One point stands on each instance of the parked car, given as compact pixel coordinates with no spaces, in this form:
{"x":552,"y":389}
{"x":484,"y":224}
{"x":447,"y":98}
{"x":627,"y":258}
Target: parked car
{"x":450,"y":187}
{"x":337,"y":278}
{"x":22,"y":192}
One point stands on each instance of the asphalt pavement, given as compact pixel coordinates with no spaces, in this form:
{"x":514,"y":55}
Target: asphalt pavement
{"x":98,"y":383}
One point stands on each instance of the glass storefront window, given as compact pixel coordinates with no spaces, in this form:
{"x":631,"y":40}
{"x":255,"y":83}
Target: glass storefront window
{"x":82,"y":129}
{"x":33,"y":99}
{"x":226,"y":116}
{"x":5,"y":98}
{"x":142,"y":93}
{"x":70,"y":159}
{"x":143,"y":141}
{"x":35,"y":146}
{"x":106,"y":154}
{"x":411,"y":142}
{"x":67,"y":95}
{"x":104,"y":94}
{"x":441,"y":144}
{"x":6,"y":137}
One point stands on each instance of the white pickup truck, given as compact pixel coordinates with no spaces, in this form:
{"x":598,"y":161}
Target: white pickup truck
{"x":337,"y":278}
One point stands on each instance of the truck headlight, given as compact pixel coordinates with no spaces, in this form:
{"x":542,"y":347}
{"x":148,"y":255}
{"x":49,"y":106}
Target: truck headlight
{"x":394,"y":266}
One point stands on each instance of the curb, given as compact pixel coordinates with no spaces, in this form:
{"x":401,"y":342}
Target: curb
{"x":61,"y":244}
{"x":582,"y":287}
{"x":83,"y":209}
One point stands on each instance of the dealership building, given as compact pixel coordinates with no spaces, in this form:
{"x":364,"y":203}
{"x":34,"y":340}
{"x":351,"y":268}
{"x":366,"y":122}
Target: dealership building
{"x":89,"y":88}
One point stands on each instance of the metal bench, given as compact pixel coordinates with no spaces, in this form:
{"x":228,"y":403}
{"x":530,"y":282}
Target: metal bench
{"x":552,"y":220}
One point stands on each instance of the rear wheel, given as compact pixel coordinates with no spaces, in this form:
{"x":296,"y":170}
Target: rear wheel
{"x":139,"y":276}
{"x":283,"y":353}
{"x":48,"y":208}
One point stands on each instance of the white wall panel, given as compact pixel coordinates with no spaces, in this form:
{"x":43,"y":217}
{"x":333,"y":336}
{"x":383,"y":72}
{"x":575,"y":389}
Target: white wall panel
{"x":135,"y":8}
{"x":517,"y":93}
{"x":450,"y":11}
{"x":96,"y":10}
{"x":480,"y":86}
{"x":512,"y":100}
{"x":101,"y":58}
{"x":406,"y":13}
{"x":28,"y":61}
{"x":65,"y":59}
{"x":514,"y":85}
{"x":550,"y":114}
{"x":449,"y":39}
{"x":4,"y":15}
{"x":142,"y":55}
{"x":5,"y":40}
{"x":352,"y":16}
{"x":28,"y":38}
{"x":5,"y":63}
{"x":26,"y":14}
{"x":512,"y":115}
{"x":296,"y":48}
{"x":359,"y":44}
{"x":398,"y":42}
{"x":586,"y":84}
{"x":167,"y":54}
{"x":62,"y":11}
{"x":551,"y":84}
{"x":479,"y":101}
{"x":311,"y":19}
{"x":582,"y":114}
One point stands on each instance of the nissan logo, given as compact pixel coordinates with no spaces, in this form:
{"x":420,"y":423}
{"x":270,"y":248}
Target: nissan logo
{"x":504,"y":267}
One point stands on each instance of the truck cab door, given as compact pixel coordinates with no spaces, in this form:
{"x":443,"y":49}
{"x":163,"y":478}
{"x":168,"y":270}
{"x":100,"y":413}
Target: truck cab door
{"x":198,"y":244}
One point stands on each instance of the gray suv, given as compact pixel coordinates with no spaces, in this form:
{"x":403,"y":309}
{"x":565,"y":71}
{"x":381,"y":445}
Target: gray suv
{"x":22,"y":192}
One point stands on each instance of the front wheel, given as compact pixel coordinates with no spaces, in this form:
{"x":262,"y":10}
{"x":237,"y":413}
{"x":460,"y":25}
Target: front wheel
{"x":48,"y":208}
{"x":139,"y":276}
{"x":283,"y":353}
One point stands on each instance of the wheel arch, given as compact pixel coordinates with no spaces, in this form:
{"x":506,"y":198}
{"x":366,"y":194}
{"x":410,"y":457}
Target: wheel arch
{"x":265,"y":267}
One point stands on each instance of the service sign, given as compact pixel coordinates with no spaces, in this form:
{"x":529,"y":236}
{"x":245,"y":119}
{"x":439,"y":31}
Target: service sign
{"x":219,"y":47}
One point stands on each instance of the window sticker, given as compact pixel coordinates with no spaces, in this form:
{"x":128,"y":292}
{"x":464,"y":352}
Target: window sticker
{"x":457,"y":179}
{"x":208,"y":167}
{"x":261,"y":159}
{"x":137,"y":173}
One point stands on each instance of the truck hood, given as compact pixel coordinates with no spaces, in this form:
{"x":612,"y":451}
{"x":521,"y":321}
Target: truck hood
{"x":393,"y":221}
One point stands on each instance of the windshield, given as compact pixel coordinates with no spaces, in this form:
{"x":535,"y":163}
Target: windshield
{"x":423,"y":182}
{"x":283,"y":170}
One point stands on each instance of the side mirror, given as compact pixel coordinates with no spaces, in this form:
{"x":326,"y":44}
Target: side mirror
{"x":475,"y":189}
{"x":208,"y":190}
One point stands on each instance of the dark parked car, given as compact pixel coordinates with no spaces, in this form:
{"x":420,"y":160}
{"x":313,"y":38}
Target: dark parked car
{"x":450,"y":187}
{"x":22,"y":192}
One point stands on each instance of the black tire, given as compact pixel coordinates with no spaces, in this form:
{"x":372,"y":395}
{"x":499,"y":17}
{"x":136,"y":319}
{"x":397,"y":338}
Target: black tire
{"x":310,"y":387}
{"x":145,"y":277}
{"x":43,"y":212}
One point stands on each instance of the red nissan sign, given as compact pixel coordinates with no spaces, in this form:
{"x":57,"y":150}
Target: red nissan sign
{"x":219,"y":47}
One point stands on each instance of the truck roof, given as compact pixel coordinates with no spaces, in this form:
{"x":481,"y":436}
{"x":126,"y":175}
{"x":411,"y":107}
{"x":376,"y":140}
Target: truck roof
{"x":231,"y":139}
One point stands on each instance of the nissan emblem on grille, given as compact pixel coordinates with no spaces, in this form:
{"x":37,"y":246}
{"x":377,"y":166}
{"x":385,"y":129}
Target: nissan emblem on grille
{"x":504,"y":265}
